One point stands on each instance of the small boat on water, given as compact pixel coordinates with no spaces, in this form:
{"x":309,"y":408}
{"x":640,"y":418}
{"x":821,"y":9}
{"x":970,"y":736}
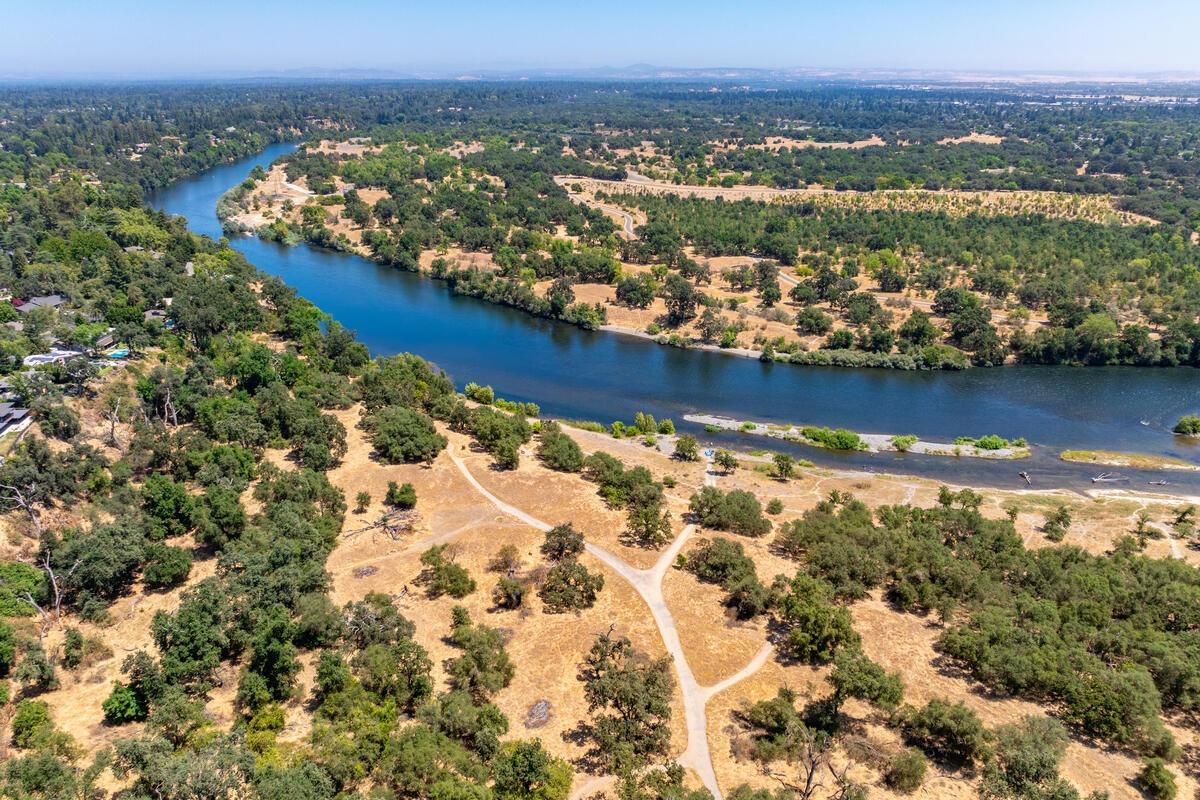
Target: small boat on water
{"x":1025,"y":475}
{"x":1159,"y":483}
{"x":1108,"y":477}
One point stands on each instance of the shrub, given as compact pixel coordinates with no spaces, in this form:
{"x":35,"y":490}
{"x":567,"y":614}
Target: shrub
{"x":816,"y":628}
{"x":8,"y":648}
{"x":1026,"y":759}
{"x":775,"y":506}
{"x":509,"y":594}
{"x":525,"y":771}
{"x":507,"y":559}
{"x":36,"y":672}
{"x":904,"y":442}
{"x":840,"y":439}
{"x":402,"y":496}
{"x":166,"y":566}
{"x":813,"y":321}
{"x":779,"y":731}
{"x":906,"y":771}
{"x":72,"y":649}
{"x":1188,"y":425}
{"x":484,"y":666}
{"x":361,"y":501}
{"x":168,"y":506}
{"x":720,"y":561}
{"x":948,"y":732}
{"x":442,"y":576}
{"x":31,"y":724}
{"x":17,"y":579}
{"x":1156,"y":780}
{"x":480,"y":394}
{"x":122,"y":705}
{"x":855,"y":675}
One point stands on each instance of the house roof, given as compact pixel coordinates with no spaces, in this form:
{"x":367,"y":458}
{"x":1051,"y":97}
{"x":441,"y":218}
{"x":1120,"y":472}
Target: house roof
{"x":46,"y":300}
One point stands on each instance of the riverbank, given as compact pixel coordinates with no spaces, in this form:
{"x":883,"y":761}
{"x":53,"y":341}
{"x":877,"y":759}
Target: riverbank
{"x":579,"y":374}
{"x":852,"y":440}
{"x":1109,"y":458}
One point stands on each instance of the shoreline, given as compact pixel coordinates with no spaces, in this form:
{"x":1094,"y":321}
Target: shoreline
{"x":873,"y":442}
{"x":1143,"y":461}
{"x":248,"y":223}
{"x":1057,"y":481}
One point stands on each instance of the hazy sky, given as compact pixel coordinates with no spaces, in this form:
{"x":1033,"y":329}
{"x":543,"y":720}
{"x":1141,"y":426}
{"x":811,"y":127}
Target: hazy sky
{"x":181,"y":37}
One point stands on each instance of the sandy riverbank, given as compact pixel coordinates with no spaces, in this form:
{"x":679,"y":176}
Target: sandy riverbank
{"x":875,"y":442}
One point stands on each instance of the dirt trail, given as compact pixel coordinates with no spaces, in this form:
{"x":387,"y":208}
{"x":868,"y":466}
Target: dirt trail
{"x":648,"y":583}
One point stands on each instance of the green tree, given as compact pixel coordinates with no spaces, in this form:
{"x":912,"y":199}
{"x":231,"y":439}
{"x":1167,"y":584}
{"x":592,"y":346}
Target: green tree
{"x":484,"y":666}
{"x":401,"y":435}
{"x":442,"y":576}
{"x":726,"y":460}
{"x":815,"y":628}
{"x":168,"y":506}
{"x":523,"y":770}
{"x":686,"y":448}
{"x":557,"y":450}
{"x":569,"y":586}
{"x":736,"y":511}
{"x":946,"y":731}
{"x":783,"y":466}
{"x":562,"y":543}
{"x":166,"y":566}
{"x":629,"y":697}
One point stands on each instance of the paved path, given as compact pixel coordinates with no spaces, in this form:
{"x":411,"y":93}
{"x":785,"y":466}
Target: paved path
{"x":648,"y":584}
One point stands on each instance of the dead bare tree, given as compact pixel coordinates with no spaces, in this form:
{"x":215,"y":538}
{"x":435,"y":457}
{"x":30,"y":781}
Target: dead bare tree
{"x":45,"y":626}
{"x":394,"y":523}
{"x":169,"y":411}
{"x":23,"y":498}
{"x":56,"y":581}
{"x":113,"y":415}
{"x":814,"y":766}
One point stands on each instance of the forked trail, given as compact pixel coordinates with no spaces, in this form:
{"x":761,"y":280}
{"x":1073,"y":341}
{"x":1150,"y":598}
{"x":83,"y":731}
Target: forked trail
{"x":648,"y":584}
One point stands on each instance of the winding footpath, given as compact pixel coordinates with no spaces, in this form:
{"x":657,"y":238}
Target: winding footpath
{"x":648,"y":584}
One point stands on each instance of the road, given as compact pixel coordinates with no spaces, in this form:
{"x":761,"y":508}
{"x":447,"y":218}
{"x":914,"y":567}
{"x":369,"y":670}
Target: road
{"x":648,"y":584}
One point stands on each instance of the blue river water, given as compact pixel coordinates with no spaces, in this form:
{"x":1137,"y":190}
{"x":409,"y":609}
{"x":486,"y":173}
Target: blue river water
{"x":605,"y":376}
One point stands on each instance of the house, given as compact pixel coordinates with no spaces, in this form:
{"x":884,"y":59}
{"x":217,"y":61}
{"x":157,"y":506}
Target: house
{"x":104,"y":342}
{"x":13,"y":418}
{"x":55,"y":356}
{"x":41,"y":301}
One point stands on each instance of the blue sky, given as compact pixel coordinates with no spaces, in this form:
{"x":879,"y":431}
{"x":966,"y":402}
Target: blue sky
{"x":190,"y":37}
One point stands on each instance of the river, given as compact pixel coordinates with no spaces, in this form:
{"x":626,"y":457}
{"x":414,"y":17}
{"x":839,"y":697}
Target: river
{"x":603,"y":376}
